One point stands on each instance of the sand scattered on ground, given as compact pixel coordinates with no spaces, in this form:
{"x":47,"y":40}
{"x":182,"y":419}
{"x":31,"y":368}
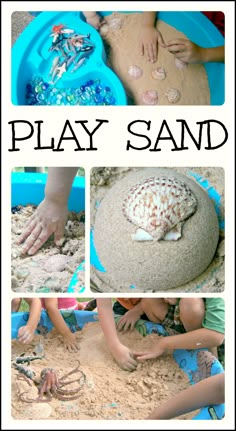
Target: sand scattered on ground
{"x":122,"y":47}
{"x":109,"y":392}
{"x":51,"y":268}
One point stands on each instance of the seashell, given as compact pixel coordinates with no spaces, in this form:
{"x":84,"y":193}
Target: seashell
{"x":180,"y":64}
{"x":150,"y":97}
{"x":56,"y":263}
{"x":135,"y":72}
{"x":104,"y":29}
{"x":159,"y":73}
{"x":173,"y":95}
{"x":115,"y":23}
{"x":158,"y":206}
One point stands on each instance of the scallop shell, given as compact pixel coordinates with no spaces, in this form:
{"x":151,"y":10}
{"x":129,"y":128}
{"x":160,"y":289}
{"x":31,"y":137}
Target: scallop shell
{"x":135,"y":72}
{"x":180,"y":64}
{"x":173,"y":95}
{"x":157,"y":205}
{"x":159,"y":73}
{"x":150,"y":97}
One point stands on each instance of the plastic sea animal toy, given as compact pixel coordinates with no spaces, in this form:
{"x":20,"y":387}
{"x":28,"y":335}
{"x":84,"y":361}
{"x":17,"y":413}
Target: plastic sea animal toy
{"x":158,"y":206}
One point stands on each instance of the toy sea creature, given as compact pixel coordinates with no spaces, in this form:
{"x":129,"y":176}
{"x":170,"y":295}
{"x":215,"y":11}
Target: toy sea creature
{"x":150,"y":97}
{"x":173,"y":95}
{"x":49,"y":384}
{"x":159,"y":206}
{"x":135,"y":72}
{"x":159,"y":73}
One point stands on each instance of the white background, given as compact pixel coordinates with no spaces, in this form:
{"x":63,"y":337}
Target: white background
{"x":111,"y":140}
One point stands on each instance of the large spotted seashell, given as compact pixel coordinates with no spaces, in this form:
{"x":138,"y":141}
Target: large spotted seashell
{"x":180,"y":64}
{"x":135,"y":72}
{"x":159,"y":73}
{"x":150,"y":97}
{"x":173,"y":95}
{"x":158,"y":206}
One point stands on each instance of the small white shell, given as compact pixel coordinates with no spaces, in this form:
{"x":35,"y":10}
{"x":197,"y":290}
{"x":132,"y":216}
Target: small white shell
{"x":173,"y":95}
{"x":150,"y":97}
{"x":180,"y":64}
{"x":135,"y":72}
{"x":104,"y":29}
{"x":159,"y":73}
{"x":115,"y":23}
{"x":158,"y":204}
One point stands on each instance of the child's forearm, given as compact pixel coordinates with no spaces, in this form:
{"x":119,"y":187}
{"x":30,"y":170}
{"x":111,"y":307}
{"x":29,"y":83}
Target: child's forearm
{"x":209,"y":391}
{"x":34,"y":312}
{"x":106,"y":319}
{"x":213,"y":54}
{"x":149,"y":19}
{"x":200,"y":338}
{"x":58,"y":321}
{"x":59,"y":183}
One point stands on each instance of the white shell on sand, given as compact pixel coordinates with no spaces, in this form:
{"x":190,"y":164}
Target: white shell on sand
{"x":56,"y":262}
{"x":180,"y":64}
{"x":159,"y":73}
{"x":156,"y":205}
{"x":173,"y":95}
{"x":150,"y":97}
{"x":135,"y":72}
{"x":104,"y":29}
{"x":115,"y":23}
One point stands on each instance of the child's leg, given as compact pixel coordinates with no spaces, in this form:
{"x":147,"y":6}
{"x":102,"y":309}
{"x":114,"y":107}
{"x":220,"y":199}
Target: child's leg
{"x":192,"y":312}
{"x":155,"y":309}
{"x":15,"y":304}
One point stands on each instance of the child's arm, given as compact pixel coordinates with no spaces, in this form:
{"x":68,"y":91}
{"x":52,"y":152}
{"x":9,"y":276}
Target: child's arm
{"x":26,"y":333}
{"x":51,"y":305}
{"x":128,"y":320}
{"x":198,"y":339}
{"x":121,"y":353}
{"x":189,"y":52}
{"x":51,"y":215}
{"x":210,"y":391}
{"x":150,"y":37}
{"x":93,"y":19}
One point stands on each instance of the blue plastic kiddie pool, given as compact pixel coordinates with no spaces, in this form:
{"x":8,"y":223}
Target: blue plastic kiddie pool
{"x":28,"y":188}
{"x":31,"y":57}
{"x":186,"y":359}
{"x":34,"y":52}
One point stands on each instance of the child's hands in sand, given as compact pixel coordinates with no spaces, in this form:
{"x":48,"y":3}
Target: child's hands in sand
{"x":157,"y":350}
{"x":125,"y":358}
{"x":25,"y":334}
{"x":128,"y":320}
{"x":70,"y":343}
{"x":150,"y":38}
{"x":185,"y":50}
{"x":49,"y":218}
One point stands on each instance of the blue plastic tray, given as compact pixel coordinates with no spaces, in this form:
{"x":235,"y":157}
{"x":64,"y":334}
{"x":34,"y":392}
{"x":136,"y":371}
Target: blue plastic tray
{"x":31,"y":56}
{"x":75,"y":320}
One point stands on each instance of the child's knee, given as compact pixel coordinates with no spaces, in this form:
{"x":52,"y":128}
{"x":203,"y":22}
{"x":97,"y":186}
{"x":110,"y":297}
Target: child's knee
{"x":192,"y":312}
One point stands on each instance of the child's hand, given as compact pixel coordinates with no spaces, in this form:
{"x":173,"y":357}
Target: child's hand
{"x":150,"y":37}
{"x":157,"y":350}
{"x":94,"y":19}
{"x":50,"y":217}
{"x":70,"y":343}
{"x":25,"y":334}
{"x":185,"y":50}
{"x":125,"y":358}
{"x":128,"y":320}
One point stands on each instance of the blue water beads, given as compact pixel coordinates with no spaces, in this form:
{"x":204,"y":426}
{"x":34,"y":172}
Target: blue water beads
{"x":92,"y":92}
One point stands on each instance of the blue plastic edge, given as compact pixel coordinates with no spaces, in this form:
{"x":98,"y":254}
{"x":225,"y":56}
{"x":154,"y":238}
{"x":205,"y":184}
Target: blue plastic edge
{"x":28,"y":188}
